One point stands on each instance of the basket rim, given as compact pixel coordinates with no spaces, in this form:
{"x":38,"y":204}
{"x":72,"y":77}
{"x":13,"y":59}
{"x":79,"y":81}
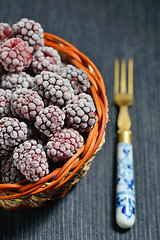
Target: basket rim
{"x":58,"y":177}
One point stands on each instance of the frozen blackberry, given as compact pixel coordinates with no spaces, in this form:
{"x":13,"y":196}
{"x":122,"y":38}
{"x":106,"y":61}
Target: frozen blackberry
{"x":87,"y":97}
{"x":26,"y":103}
{"x":50,"y":120}
{"x":64,"y":144}
{"x":15,"y":55}
{"x":5,"y":32}
{"x":12,"y":132}
{"x":80,"y":116}
{"x":5,"y":103}
{"x":30,"y":158}
{"x":54,"y":89}
{"x":14,"y":81}
{"x":46,"y":59}
{"x":9,"y":172}
{"x":29,"y":31}
{"x":77,"y":77}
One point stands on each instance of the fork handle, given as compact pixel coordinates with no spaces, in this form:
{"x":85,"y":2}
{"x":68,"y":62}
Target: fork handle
{"x":125,"y":190}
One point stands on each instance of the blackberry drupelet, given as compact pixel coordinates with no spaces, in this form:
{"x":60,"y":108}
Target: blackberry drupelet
{"x":53,"y":89}
{"x":64,"y":144}
{"x":5,"y":32}
{"x":26,"y":103}
{"x":29,"y":31}
{"x":87,"y":97}
{"x":46,"y":59}
{"x":80,"y":116}
{"x":5,"y":103}
{"x":50,"y":120}
{"x":14,"y":81}
{"x":30,"y":158}
{"x":12,"y":132}
{"x":15,"y":55}
{"x":77,"y":77}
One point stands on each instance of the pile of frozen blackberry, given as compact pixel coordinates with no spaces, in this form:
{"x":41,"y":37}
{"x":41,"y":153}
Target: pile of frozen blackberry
{"x":46,"y":109}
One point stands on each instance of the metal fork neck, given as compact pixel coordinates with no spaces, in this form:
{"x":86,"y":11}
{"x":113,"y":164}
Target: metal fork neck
{"x":125,"y":136}
{"x":124,"y":121}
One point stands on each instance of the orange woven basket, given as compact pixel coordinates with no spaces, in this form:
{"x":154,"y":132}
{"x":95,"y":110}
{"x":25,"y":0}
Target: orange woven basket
{"x":56,"y":184}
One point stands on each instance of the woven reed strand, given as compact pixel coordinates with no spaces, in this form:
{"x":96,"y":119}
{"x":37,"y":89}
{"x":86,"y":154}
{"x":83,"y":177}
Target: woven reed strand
{"x":61,"y":180}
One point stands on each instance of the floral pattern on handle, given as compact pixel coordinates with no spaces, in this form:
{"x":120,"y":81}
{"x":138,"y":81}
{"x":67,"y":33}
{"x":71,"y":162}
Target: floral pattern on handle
{"x":125,"y":192}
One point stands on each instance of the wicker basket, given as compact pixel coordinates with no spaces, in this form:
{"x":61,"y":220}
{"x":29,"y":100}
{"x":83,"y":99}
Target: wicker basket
{"x":56,"y":184}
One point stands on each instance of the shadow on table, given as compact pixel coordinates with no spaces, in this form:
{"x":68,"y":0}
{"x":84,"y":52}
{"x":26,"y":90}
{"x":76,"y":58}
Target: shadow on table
{"x":24,"y":223}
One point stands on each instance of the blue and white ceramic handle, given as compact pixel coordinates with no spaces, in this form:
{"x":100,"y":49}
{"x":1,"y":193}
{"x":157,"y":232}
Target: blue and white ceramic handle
{"x":125,"y":190}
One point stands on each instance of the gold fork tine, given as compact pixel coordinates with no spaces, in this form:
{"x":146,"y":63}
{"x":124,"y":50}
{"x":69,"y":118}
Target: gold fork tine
{"x":130,"y":76}
{"x":116,"y":76}
{"x":123,"y":76}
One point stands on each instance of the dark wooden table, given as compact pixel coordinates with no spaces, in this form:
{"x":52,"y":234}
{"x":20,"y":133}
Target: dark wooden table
{"x":103,"y":30}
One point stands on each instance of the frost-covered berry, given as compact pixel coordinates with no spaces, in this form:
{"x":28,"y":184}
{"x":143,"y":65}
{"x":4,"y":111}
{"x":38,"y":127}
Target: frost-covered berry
{"x":9,"y":172}
{"x":50,"y":120}
{"x":5,"y":32}
{"x":80,"y":116}
{"x":77,"y":77}
{"x":53,"y":89}
{"x":87,"y":97}
{"x":15,"y":55}
{"x":64,"y":144}
{"x":5,"y":103}
{"x":29,"y":31}
{"x":12,"y":132}
{"x":30,"y":158}
{"x":46,"y":59}
{"x":26,"y":103}
{"x":14,"y":81}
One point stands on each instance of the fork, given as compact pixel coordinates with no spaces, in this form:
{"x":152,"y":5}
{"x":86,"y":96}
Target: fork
{"x":125,"y":190}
